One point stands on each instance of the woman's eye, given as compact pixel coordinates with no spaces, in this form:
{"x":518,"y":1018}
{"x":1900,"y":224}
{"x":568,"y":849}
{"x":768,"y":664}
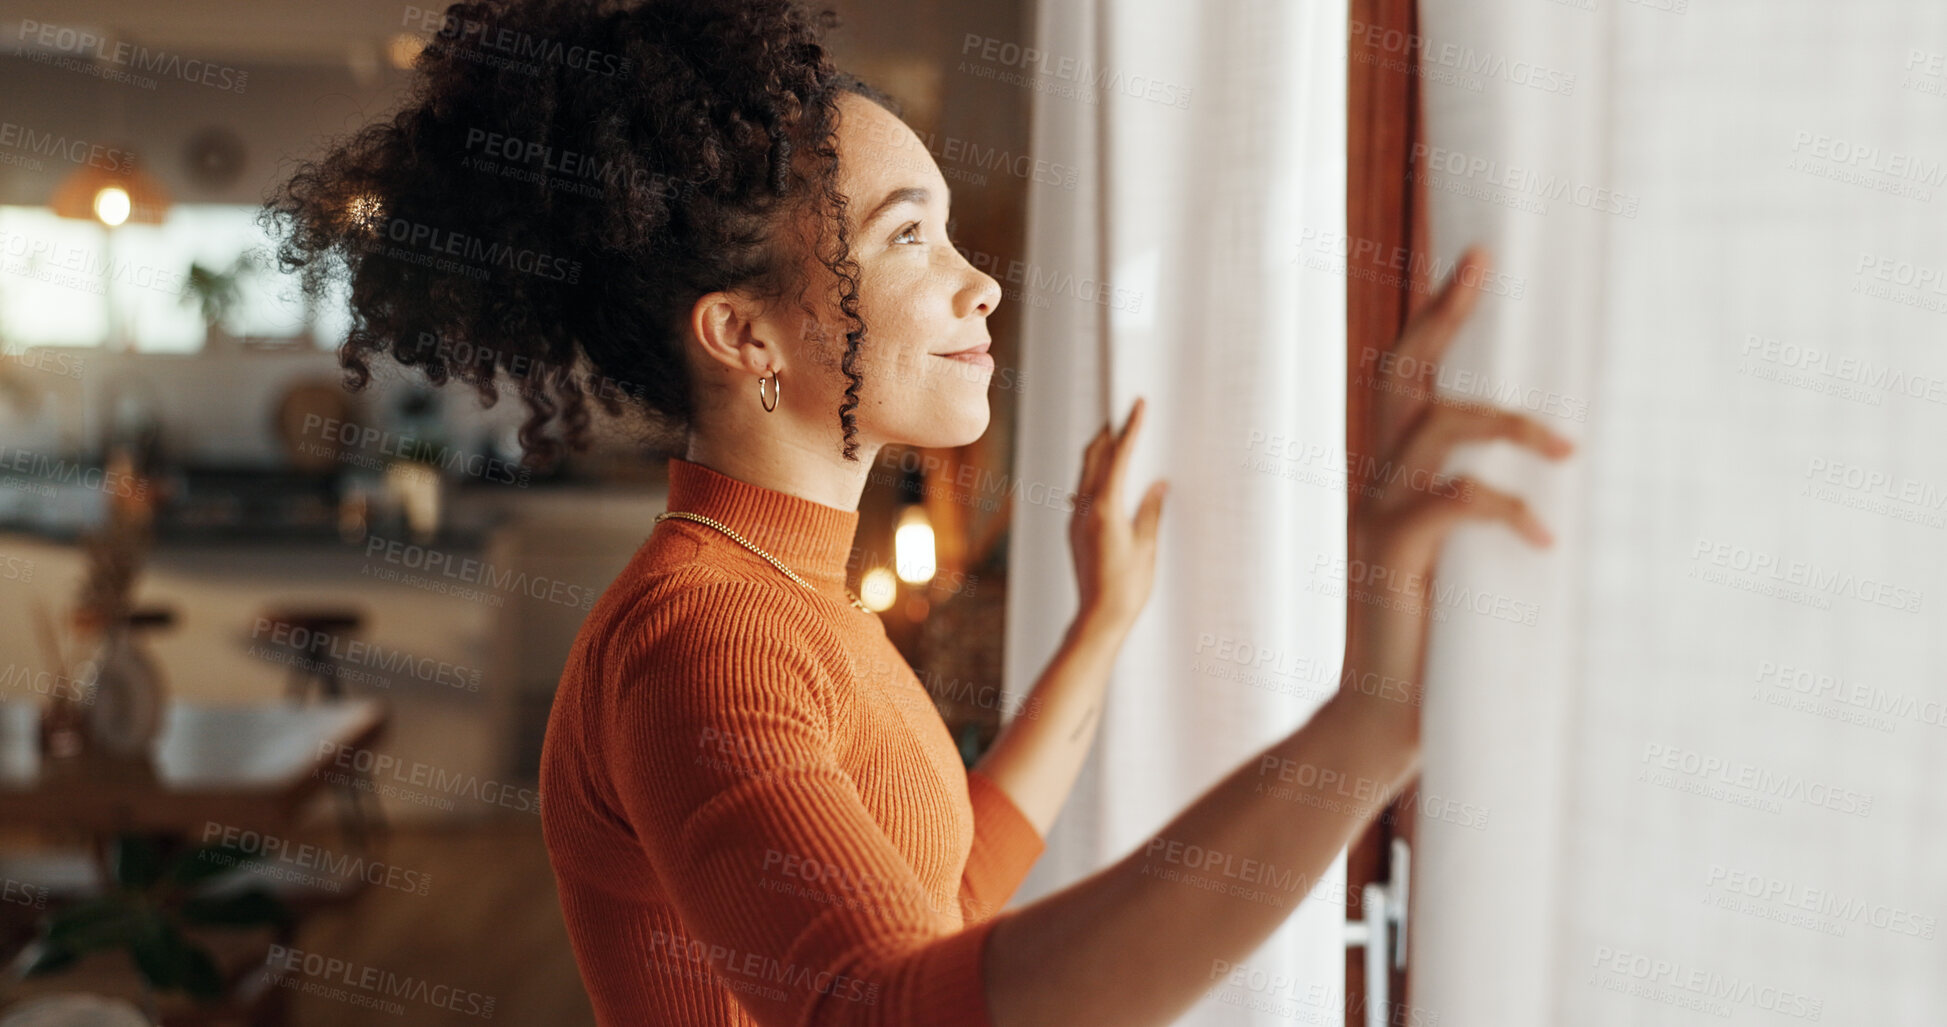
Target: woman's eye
{"x":911,"y":230}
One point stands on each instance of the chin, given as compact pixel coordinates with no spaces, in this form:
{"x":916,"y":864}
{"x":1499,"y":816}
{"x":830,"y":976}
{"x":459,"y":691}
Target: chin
{"x":957,"y":424}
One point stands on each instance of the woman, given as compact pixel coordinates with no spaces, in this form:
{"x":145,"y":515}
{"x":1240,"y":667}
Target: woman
{"x":680,"y":208}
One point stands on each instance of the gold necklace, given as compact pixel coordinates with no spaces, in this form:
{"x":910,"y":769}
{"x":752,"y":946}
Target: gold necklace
{"x":740,"y":540}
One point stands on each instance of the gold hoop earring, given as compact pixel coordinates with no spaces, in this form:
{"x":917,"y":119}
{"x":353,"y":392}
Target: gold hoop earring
{"x":770,"y":397}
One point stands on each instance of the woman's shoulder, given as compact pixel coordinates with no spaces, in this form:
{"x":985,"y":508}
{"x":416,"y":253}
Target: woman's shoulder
{"x":703,"y":645}
{"x":673,"y":628}
{"x":672,"y":567}
{"x":670,"y":580}
{"x":704,"y":599}
{"x":703,"y":613}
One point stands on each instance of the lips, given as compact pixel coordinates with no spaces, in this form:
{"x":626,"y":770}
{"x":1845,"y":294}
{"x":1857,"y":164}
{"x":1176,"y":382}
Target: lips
{"x":975,"y":355}
{"x":968,"y":352}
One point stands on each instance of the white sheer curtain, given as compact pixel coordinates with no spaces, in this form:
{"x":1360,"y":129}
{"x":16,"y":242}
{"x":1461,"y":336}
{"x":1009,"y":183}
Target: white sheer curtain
{"x":1211,"y":139}
{"x":1714,"y":765}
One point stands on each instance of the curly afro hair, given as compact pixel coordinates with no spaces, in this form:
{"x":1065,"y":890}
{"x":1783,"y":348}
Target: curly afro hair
{"x":563,"y":181}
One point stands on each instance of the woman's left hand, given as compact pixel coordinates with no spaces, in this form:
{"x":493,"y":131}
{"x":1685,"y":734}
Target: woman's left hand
{"x":1115,"y":556}
{"x":1404,"y":505}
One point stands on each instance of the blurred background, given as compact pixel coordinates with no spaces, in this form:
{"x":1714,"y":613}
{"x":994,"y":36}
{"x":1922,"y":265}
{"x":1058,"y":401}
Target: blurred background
{"x":339,"y":618}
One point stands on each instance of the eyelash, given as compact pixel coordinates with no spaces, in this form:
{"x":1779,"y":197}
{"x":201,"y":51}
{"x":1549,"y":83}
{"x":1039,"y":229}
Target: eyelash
{"x":902,"y":232}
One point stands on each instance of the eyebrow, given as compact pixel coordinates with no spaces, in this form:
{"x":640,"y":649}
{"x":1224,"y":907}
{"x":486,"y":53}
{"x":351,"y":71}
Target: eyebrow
{"x":905,"y":194}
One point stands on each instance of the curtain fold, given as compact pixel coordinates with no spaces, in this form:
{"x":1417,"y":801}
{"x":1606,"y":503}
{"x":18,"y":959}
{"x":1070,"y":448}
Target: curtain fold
{"x":1711,"y":759}
{"x":1199,"y":263}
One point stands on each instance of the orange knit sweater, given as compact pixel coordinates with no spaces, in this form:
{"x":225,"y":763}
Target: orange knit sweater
{"x":753,"y":810}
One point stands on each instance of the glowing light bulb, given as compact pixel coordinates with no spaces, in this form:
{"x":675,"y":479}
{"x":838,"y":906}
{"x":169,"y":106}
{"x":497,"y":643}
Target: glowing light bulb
{"x":112,"y":205}
{"x":878,"y":589}
{"x":912,"y":546}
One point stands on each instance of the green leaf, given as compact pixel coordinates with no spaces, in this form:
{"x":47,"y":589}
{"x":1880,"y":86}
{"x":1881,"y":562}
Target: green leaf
{"x":252,"y":908}
{"x":136,"y":861}
{"x":170,"y":961}
{"x":157,"y":948}
{"x":94,"y":924}
{"x":49,"y":957}
{"x":200,"y":976}
{"x":210,"y":861}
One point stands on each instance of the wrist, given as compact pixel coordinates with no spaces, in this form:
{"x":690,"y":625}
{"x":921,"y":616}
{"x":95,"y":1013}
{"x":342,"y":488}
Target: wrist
{"x":1097,"y":619}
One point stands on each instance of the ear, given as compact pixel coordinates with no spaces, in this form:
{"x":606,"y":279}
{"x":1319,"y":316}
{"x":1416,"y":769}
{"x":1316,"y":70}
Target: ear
{"x":731,"y":331}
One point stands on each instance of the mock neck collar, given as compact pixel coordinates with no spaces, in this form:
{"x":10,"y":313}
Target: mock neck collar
{"x":811,"y":538}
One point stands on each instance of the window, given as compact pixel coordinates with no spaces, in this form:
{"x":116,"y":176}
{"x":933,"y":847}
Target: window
{"x":68,"y":282}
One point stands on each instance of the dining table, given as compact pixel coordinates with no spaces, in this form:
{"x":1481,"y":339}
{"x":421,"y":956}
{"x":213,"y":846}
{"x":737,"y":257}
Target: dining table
{"x":246,"y":765}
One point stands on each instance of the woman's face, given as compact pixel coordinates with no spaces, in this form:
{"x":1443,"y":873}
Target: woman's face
{"x":920,"y":299}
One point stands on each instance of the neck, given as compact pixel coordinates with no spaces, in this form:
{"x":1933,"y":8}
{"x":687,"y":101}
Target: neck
{"x":814,"y":468}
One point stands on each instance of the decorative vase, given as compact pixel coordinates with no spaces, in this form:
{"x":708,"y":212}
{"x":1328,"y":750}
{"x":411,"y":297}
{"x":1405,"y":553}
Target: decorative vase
{"x":418,"y":487}
{"x":124,"y":694}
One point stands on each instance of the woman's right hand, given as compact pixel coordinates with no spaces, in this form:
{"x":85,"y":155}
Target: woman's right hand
{"x":1115,"y":554}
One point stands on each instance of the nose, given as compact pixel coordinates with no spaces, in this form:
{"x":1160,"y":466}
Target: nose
{"x":980,"y":293}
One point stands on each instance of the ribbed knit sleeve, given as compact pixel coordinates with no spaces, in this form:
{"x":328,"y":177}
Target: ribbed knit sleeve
{"x":789,"y":890}
{"x":1004,"y":849}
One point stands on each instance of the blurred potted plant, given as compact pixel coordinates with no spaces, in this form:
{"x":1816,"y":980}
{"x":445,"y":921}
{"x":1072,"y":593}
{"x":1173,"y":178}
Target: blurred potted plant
{"x":154,"y":899}
{"x":217,"y":292}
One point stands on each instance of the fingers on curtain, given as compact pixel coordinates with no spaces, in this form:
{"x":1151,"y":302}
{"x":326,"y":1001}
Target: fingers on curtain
{"x":1451,"y":424}
{"x":1470,"y":499}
